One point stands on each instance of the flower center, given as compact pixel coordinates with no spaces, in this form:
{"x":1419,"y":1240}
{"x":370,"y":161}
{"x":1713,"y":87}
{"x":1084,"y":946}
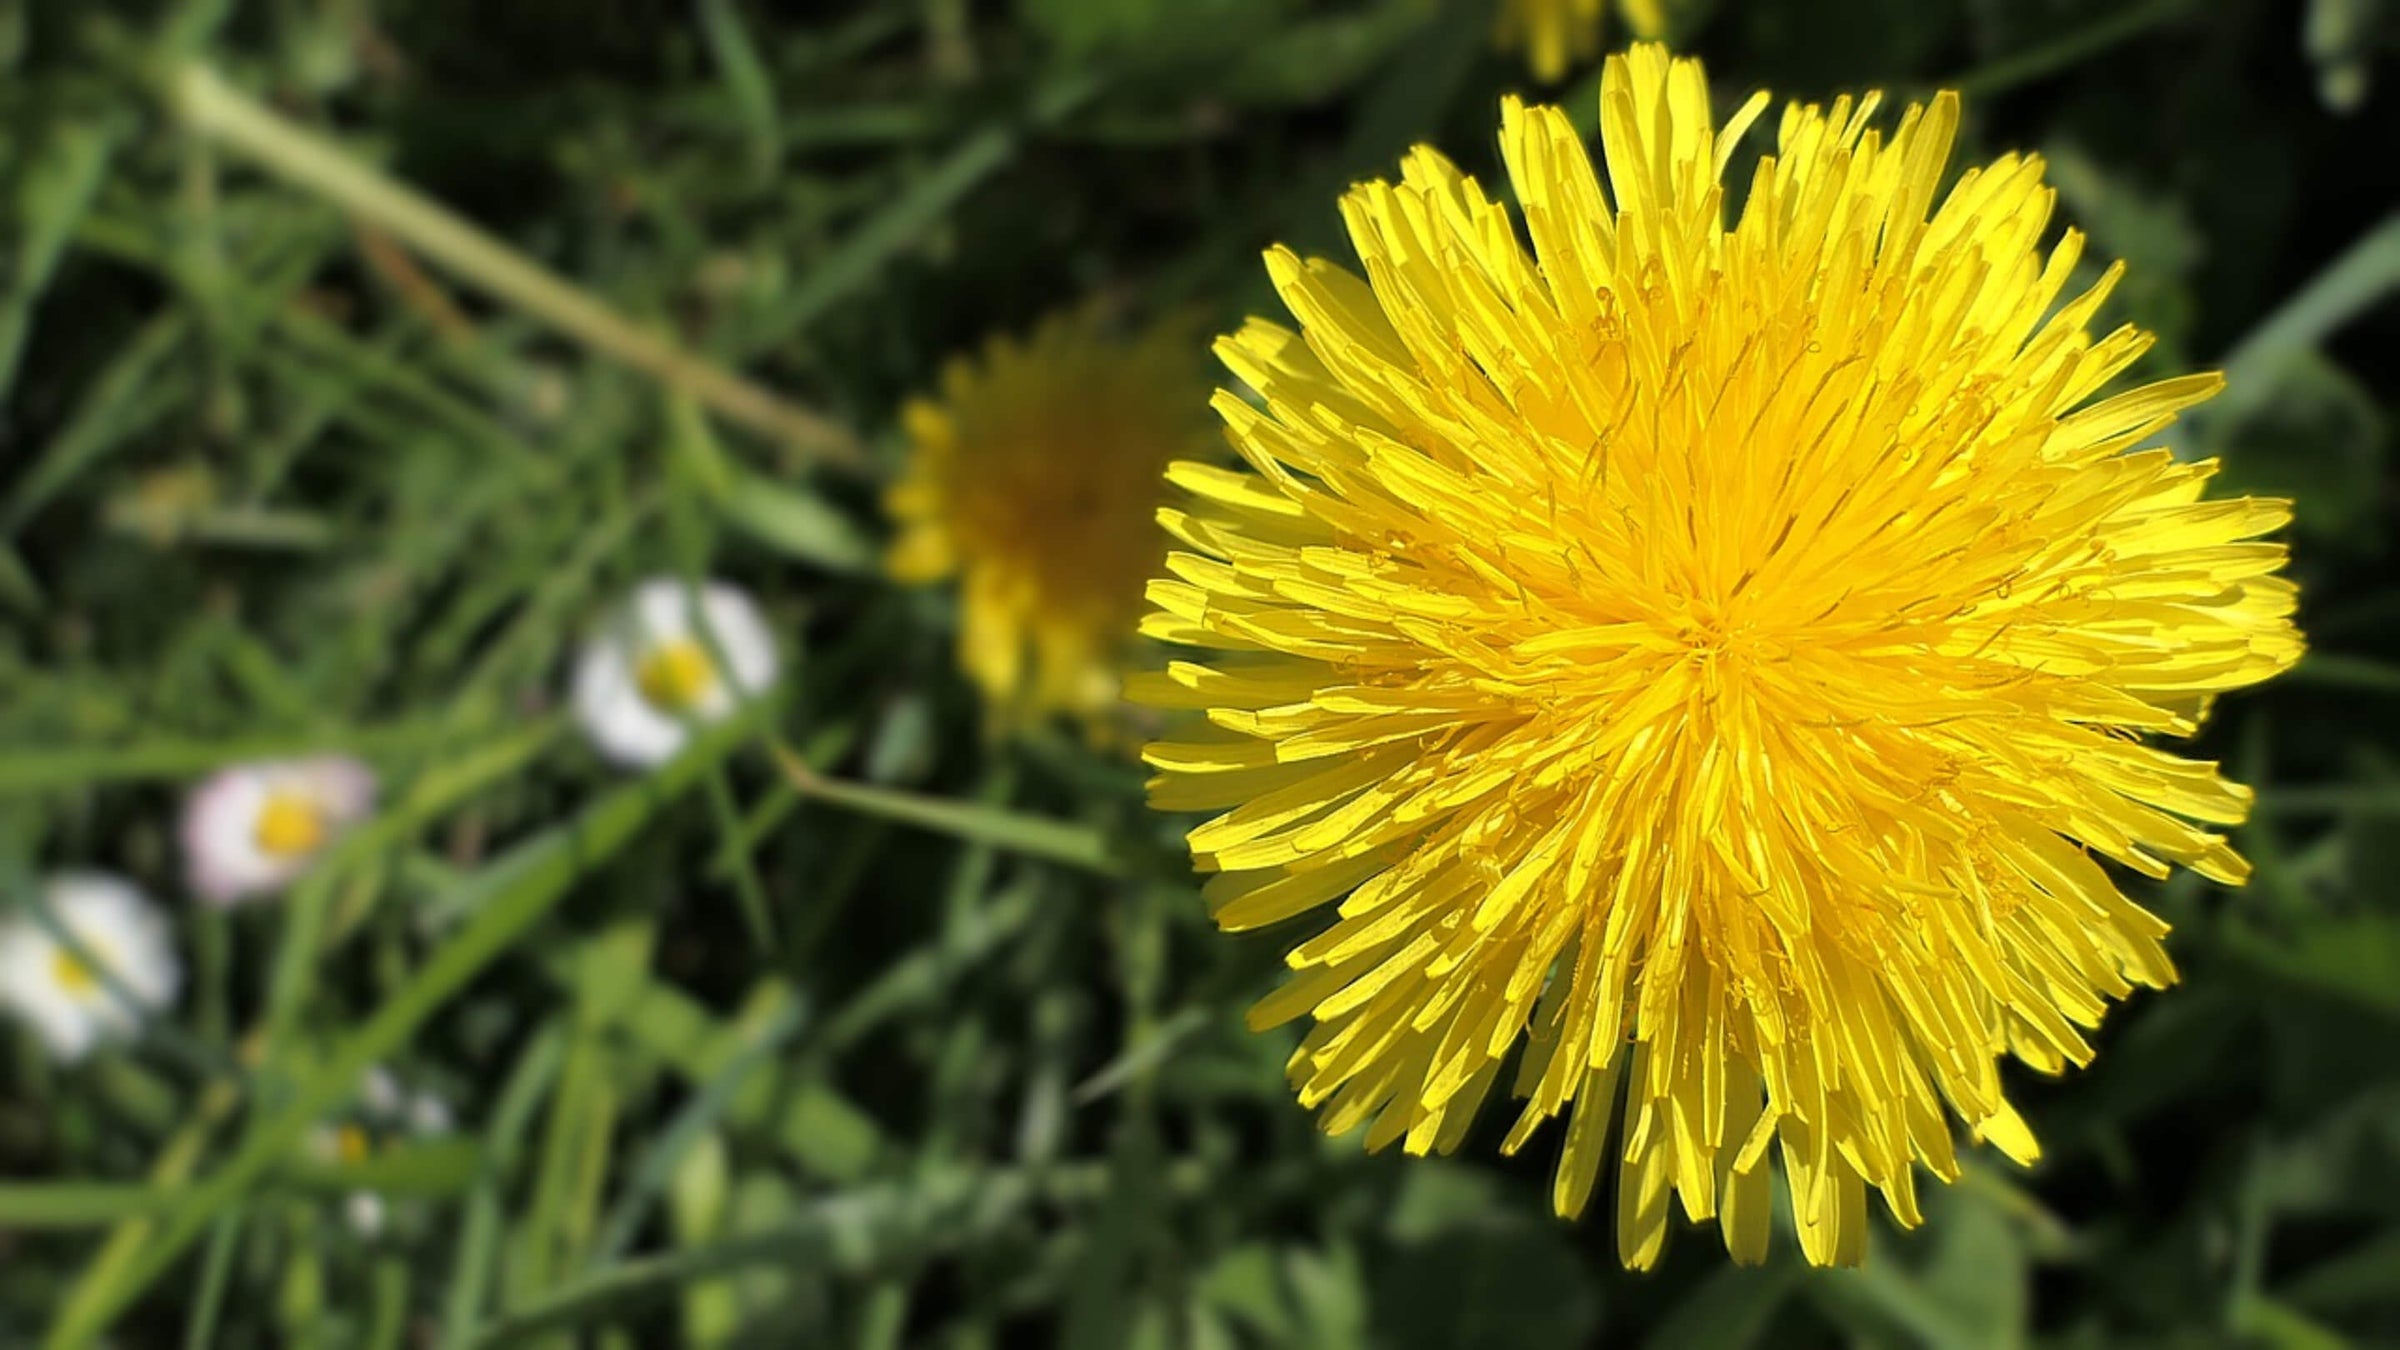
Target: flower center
{"x":79,"y":981}
{"x":350,"y":1144}
{"x":290,"y":825}
{"x":676,"y":675}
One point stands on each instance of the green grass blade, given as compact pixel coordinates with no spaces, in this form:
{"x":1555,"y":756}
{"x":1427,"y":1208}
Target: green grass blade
{"x":2357,"y":281}
{"x":49,"y":203}
{"x":746,"y":80}
{"x":305,"y":936}
{"x":171,"y":758}
{"x":858,"y":259}
{"x":131,"y":394}
{"x":2333,"y":670}
{"x":478,"y":1261}
{"x":201,"y":1332}
{"x":78,"y":1204}
{"x":540,"y":872}
{"x":700,"y":1115}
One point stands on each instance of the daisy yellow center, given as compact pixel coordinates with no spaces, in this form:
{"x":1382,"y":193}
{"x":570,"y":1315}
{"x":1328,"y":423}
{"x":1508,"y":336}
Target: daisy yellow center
{"x":78,"y":980}
{"x":676,"y":675}
{"x":1703,"y":664}
{"x":291,"y":824}
{"x":351,"y":1145}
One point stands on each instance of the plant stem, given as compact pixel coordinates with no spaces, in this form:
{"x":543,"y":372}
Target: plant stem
{"x":219,"y":111}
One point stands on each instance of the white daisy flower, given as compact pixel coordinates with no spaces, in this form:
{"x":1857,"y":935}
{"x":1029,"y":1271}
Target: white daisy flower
{"x":347,"y":1145}
{"x":419,"y":1111}
{"x":251,"y":830}
{"x":379,"y":1093}
{"x":653,"y":671}
{"x":365,"y":1212}
{"x":75,"y":999}
{"x":428,"y":1114}
{"x":385,"y":1108}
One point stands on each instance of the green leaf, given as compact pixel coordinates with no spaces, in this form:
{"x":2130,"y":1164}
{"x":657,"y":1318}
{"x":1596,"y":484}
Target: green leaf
{"x":1246,"y":1282}
{"x":1969,"y":1292}
{"x":1329,"y":1296}
{"x":1484,"y":1284}
{"x":2353,"y":957}
{"x":800,"y":524}
{"x":827,"y":1133}
{"x":787,"y":519}
{"x":697,"y":1208}
{"x":1730,"y":1310}
{"x":697,"y":1121}
{"x":1439,"y":1196}
{"x":1978,"y":1268}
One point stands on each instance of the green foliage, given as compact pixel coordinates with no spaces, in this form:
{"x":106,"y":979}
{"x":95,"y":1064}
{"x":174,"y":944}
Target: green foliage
{"x":852,"y":1025}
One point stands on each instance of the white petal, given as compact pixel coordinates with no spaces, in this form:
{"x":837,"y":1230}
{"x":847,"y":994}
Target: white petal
{"x":428,"y":1114}
{"x":742,"y":634}
{"x":112,"y":918}
{"x":364,"y":1210}
{"x":343,"y":786}
{"x":223,"y":862}
{"x":622,"y":724}
{"x":379,"y":1092}
{"x":115,"y":924}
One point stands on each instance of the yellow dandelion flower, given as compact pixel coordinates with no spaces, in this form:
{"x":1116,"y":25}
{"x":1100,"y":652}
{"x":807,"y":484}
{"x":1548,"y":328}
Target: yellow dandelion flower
{"x":1033,"y":481}
{"x":1713,"y":660}
{"x":1559,"y":35}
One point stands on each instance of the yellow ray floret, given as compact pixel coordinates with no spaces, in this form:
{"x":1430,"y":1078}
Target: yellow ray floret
{"x":1705,"y":664}
{"x":1559,"y":35}
{"x":1033,"y":480}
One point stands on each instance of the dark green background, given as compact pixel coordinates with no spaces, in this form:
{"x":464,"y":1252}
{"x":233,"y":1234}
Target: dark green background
{"x":260,"y":490}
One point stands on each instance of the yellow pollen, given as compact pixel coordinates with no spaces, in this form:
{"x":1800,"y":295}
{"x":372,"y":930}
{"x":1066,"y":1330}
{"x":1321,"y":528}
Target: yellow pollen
{"x":290,"y":825}
{"x":78,"y":979}
{"x":676,"y":675}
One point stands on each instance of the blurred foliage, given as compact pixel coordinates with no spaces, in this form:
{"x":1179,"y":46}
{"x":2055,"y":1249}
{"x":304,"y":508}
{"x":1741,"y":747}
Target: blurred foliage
{"x":268,"y":482}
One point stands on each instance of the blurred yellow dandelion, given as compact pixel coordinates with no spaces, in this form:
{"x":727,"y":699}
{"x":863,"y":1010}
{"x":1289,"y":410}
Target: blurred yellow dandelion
{"x":1559,"y":35}
{"x":1709,"y":658}
{"x":1033,"y":481}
